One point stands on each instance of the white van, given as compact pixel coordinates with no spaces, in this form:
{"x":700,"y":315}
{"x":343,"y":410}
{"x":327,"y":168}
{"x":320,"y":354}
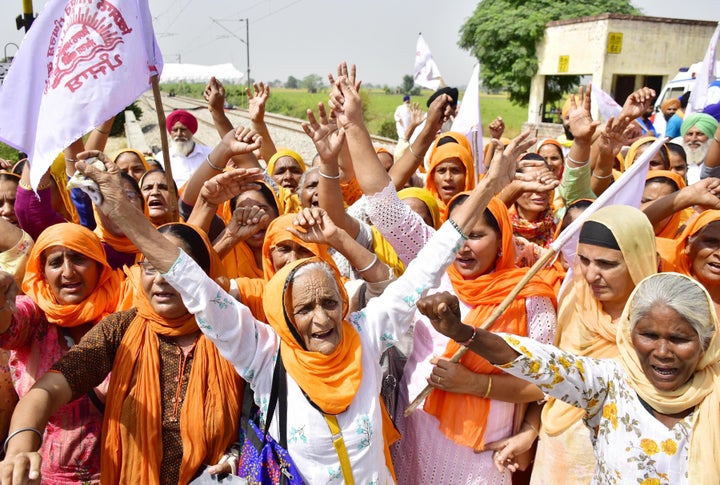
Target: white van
{"x":683,"y":82}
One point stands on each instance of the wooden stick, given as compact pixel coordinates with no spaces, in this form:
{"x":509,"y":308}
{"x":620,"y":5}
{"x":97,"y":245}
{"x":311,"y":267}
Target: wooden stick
{"x":491,"y":319}
{"x":173,"y":196}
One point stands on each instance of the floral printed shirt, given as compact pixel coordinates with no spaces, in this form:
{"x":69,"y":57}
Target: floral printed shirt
{"x":631,"y":445}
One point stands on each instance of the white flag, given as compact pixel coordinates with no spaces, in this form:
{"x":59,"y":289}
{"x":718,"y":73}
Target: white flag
{"x":699,"y":94}
{"x":626,"y":190}
{"x":468,"y":120}
{"x":608,"y":107}
{"x":426,"y":72}
{"x":81,"y":63}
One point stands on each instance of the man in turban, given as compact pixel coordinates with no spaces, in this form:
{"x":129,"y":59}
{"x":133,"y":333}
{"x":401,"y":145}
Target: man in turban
{"x":697,"y":131}
{"x":186,"y":155}
{"x":669,"y":108}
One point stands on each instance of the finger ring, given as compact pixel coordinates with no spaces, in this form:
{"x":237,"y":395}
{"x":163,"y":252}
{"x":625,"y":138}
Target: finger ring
{"x":439,"y":380}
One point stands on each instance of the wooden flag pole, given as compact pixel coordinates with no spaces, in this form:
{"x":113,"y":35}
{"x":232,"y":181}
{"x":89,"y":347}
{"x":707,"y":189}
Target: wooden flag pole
{"x":173,"y":196}
{"x":549,"y":255}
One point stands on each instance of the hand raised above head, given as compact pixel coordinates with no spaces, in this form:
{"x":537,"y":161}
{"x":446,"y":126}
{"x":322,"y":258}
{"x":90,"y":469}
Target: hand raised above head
{"x":257,"y":101}
{"x":109,"y":183}
{"x":497,"y":127}
{"x":346,"y":104}
{"x":637,"y":103}
{"x":314,"y":225}
{"x":326,"y":136}
{"x":214,"y":94}
{"x":580,"y":120}
{"x":246,"y":221}
{"x":227,"y":185}
{"x":439,"y":112}
{"x":503,"y":162}
{"x":242,"y":140}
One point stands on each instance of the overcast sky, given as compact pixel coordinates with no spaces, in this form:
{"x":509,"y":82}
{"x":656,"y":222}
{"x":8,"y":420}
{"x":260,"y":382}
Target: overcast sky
{"x":301,"y":37}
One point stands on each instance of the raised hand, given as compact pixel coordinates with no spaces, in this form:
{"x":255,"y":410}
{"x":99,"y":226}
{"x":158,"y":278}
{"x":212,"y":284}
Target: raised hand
{"x":497,"y":128}
{"x":504,"y":161}
{"x":443,"y":311}
{"x":227,"y":185}
{"x":314,"y":225}
{"x":214,"y":94}
{"x":439,"y":112}
{"x":637,"y":103}
{"x":108,"y":181}
{"x":612,"y":138}
{"x":247,"y":221}
{"x":257,"y":101}
{"x":326,"y":136}
{"x":242,"y":141}
{"x":351,"y":74}
{"x":346,"y":104}
{"x":705,"y":193}
{"x":580,"y":120}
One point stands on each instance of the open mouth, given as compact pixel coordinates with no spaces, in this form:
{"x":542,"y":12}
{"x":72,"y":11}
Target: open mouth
{"x":156,"y":203}
{"x":664,"y":372}
{"x":324,"y":334}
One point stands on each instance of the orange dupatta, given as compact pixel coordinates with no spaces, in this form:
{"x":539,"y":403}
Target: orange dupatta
{"x":680,"y":259}
{"x":132,"y":428}
{"x":463,"y":417}
{"x":670,"y":228}
{"x":100,"y":303}
{"x":439,"y":154}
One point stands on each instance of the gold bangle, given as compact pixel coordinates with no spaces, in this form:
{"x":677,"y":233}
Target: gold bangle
{"x":489,"y":387}
{"x":412,"y":152}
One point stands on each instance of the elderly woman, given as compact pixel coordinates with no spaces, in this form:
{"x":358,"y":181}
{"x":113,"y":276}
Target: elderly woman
{"x":332,"y":365}
{"x":173,"y":402}
{"x":653,"y":411}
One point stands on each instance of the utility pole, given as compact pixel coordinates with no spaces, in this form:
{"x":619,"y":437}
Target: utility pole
{"x":247,"y":45}
{"x":26,"y":19}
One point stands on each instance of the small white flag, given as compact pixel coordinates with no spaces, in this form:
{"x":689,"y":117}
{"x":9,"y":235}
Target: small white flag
{"x":699,"y":95}
{"x":468,"y":120}
{"x":81,"y":63}
{"x":426,"y":72}
{"x":608,"y":107}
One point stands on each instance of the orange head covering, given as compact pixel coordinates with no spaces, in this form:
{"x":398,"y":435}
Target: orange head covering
{"x":670,"y":103}
{"x":59,"y":176}
{"x":240,"y":261}
{"x":284,"y":152}
{"x":427,"y":198}
{"x":100,"y":303}
{"x":682,"y":261}
{"x":277,"y":232}
{"x":463,"y":417}
{"x":132,"y":428}
{"x":441,"y":154}
{"x":673,"y":223}
{"x":632,"y":152}
{"x":584,"y":328}
{"x":139,"y":154}
{"x":330,"y":381}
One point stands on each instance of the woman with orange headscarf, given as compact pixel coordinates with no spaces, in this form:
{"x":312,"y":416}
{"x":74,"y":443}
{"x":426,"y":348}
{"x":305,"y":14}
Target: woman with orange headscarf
{"x":451,"y":169}
{"x":471,"y":405}
{"x":173,"y":402}
{"x":69,"y":286}
{"x":659,"y":183}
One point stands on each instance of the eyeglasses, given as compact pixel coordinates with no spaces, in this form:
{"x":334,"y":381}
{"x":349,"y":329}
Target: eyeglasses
{"x":148,"y":268}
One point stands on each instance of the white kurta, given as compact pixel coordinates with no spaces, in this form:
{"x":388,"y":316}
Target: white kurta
{"x":252,"y":346}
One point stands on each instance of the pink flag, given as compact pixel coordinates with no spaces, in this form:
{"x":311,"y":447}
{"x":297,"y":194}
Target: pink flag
{"x":608,"y":107}
{"x":698,"y":96}
{"x":468,"y":119}
{"x":626,"y":190}
{"x":81,"y":63}
{"x":426,"y":72}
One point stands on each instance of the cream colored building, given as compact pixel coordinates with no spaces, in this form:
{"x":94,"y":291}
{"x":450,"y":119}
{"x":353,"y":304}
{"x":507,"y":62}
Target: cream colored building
{"x":621,"y":53}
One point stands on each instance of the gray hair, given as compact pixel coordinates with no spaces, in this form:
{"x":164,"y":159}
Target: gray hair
{"x":303,"y":178}
{"x":318,"y":266}
{"x":684,"y":295}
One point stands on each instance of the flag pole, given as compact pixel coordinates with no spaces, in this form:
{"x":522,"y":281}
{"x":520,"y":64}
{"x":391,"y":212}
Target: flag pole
{"x":539,"y":264}
{"x":173,"y":196}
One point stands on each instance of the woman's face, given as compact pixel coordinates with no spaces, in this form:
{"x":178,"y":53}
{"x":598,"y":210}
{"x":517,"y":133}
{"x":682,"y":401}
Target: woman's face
{"x":478,"y":254}
{"x":704,"y":254}
{"x":553,"y":157}
{"x":420,"y":208}
{"x":129,"y":163}
{"x":316,"y":308}
{"x":657,"y":162}
{"x":165,"y":300}
{"x":72,"y":276}
{"x":532,"y":205}
{"x":309,"y":193}
{"x":678,"y":164}
{"x":449,"y":177}
{"x":287,"y":173}
{"x":653,"y":191}
{"x":8,"y":189}
{"x":155,"y":190}
{"x":255,"y":198}
{"x":667,"y":346}
{"x":286,"y":252}
{"x":606,"y":273}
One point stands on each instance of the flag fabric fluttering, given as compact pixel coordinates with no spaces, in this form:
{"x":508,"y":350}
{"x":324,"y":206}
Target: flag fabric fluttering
{"x":426,"y":72}
{"x":608,"y":107}
{"x":626,"y":190}
{"x":699,"y":95}
{"x":80,"y":64}
{"x":468,"y":120}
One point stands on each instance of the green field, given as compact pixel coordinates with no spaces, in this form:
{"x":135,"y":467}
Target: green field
{"x":377,"y":105}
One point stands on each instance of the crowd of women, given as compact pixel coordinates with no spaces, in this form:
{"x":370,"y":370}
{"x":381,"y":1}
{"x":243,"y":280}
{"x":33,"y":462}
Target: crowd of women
{"x":129,"y":338}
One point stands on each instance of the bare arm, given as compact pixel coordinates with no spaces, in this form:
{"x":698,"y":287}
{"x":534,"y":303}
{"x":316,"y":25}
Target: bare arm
{"x":712,"y":159}
{"x":256,"y":108}
{"x":704,"y":193}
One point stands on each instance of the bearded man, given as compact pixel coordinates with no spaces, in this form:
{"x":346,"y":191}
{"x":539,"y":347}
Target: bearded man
{"x":697,"y":131}
{"x":186,"y":155}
